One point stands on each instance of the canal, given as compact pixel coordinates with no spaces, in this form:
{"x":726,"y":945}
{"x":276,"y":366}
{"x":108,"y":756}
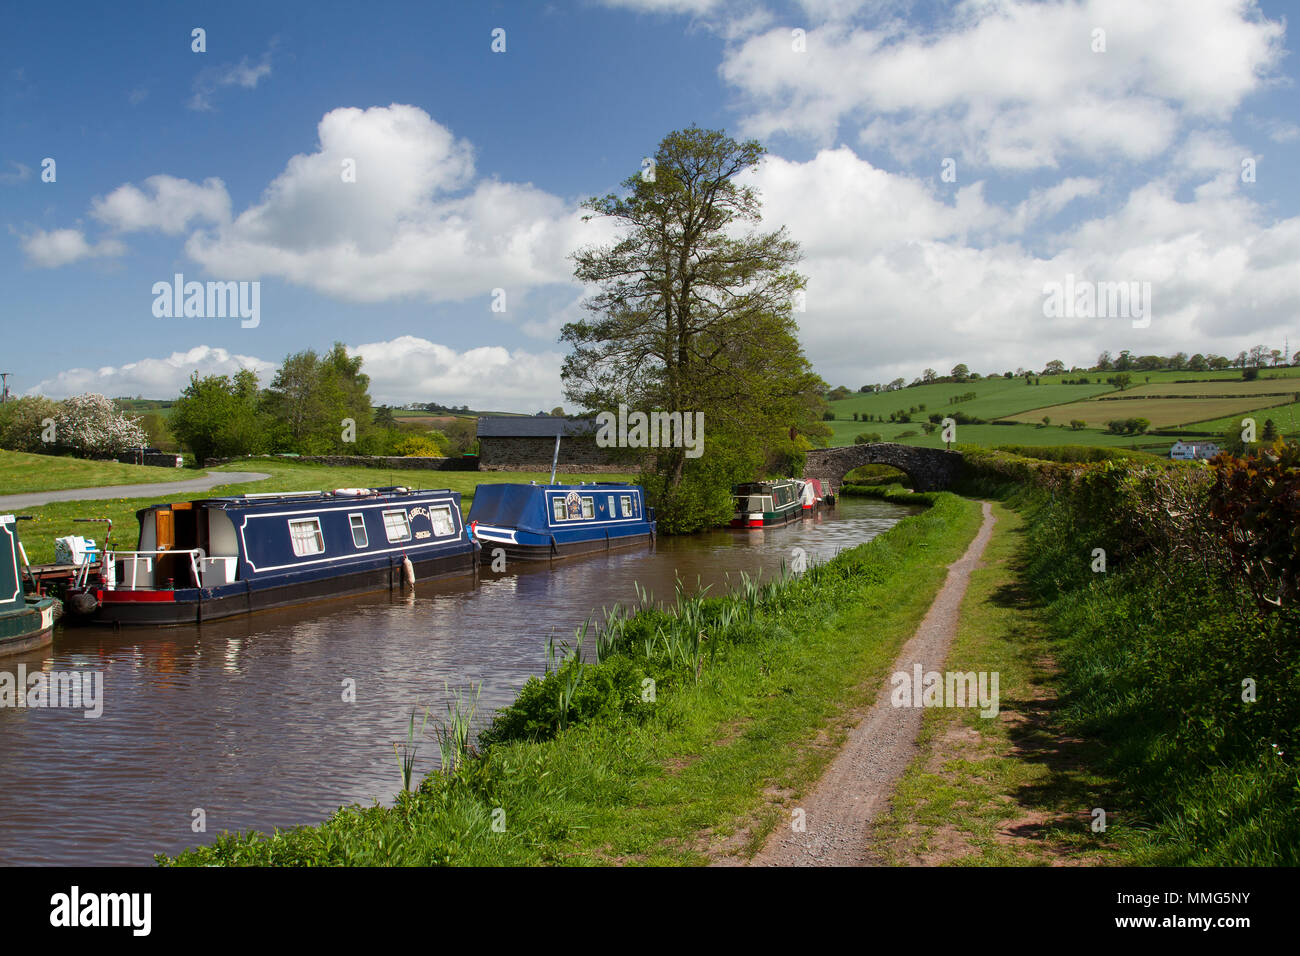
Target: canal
{"x":247,"y":724}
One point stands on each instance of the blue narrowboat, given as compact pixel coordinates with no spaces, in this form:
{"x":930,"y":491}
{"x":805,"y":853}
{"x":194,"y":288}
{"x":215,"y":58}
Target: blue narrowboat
{"x":218,"y":557}
{"x":540,"y":522}
{"x":26,"y":620}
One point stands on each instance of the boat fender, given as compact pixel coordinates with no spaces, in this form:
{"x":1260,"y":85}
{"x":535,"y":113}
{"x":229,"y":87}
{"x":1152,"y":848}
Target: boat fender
{"x":82,"y":602}
{"x":408,"y":572}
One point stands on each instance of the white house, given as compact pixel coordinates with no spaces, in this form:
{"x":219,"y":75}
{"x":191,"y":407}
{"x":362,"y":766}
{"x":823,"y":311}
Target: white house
{"x":1189,"y":450}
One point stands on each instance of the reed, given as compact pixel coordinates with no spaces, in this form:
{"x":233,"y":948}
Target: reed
{"x":454,"y":731}
{"x":405,"y":752}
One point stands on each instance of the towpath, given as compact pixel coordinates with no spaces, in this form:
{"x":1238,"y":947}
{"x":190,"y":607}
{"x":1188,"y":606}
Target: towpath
{"x":838,"y":814}
{"x":160,"y":489}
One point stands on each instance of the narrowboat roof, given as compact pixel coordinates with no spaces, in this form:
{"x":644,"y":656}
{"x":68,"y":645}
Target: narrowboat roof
{"x":338,"y":495}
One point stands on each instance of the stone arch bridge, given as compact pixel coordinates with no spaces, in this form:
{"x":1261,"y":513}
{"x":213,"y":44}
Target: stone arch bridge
{"x":931,"y":469}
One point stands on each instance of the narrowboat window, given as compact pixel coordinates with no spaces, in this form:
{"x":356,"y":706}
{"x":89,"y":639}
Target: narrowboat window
{"x":306,"y":536}
{"x":441,"y":520}
{"x":359,"y":537}
{"x":626,"y":502}
{"x":396,"y":526}
{"x":557,"y":508}
{"x":588,"y":508}
{"x":610,"y":503}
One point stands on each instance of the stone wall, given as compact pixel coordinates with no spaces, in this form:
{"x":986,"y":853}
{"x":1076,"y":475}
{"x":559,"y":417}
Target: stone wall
{"x":931,"y":469}
{"x":366,"y":461}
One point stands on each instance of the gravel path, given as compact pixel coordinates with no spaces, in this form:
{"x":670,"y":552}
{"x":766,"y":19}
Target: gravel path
{"x":839,"y":812}
{"x":158,"y":489}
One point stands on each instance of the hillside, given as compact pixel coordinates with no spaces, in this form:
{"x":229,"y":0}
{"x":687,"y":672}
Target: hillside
{"x":1204,"y":402}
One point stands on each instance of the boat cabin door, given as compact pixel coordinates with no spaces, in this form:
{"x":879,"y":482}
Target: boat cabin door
{"x":164,"y":529}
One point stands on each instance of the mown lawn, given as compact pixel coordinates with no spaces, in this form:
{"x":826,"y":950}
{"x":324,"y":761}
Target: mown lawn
{"x":21,"y":473}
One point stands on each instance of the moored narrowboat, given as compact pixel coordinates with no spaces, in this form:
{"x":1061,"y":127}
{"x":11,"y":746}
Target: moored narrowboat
{"x":762,"y":504}
{"x":26,"y":620}
{"x":542,"y":522}
{"x":219,"y":557}
{"x":812,"y":495}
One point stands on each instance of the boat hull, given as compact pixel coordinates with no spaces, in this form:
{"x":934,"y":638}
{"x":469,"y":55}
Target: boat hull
{"x":769,"y":519}
{"x":197,"y":605}
{"x":28,"y":628}
{"x":558,"y":550}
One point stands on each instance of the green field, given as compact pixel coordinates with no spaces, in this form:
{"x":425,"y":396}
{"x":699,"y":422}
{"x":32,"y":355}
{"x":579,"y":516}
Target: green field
{"x":56,"y":520}
{"x":1161,"y":412}
{"x":990,"y":436}
{"x":1285,"y":417}
{"x":1209,"y":389}
{"x":1197,"y":404}
{"x":21,"y":473}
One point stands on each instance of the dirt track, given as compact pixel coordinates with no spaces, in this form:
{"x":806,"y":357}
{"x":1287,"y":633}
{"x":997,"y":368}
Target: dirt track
{"x":839,"y":812}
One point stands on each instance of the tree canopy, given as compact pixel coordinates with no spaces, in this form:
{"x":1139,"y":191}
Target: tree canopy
{"x":695,"y":313}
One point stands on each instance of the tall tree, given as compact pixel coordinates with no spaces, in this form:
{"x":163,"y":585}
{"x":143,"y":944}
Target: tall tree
{"x":318,"y":403}
{"x":218,"y":417}
{"x":695,"y":314}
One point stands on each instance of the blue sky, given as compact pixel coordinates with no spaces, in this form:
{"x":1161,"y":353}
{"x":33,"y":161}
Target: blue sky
{"x":1119,"y":163}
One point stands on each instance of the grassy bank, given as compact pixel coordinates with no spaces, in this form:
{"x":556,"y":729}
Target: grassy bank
{"x":1123,"y":686}
{"x":21,"y":473}
{"x":1154,"y":655}
{"x":56,"y":520}
{"x":750,"y":693}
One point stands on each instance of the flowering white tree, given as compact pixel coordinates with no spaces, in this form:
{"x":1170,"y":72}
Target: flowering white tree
{"x":92,"y":424}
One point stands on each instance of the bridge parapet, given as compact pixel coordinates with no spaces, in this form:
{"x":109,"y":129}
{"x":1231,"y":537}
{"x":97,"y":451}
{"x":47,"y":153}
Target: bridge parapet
{"x":931,"y":469}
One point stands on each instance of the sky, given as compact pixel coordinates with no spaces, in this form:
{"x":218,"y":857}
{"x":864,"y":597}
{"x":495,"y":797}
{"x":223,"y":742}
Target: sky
{"x":393,"y":182}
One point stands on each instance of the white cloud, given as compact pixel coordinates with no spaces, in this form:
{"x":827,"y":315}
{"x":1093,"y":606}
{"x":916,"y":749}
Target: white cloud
{"x":665,"y":6}
{"x":404,"y":369}
{"x":1278,"y":130}
{"x":16,"y":173}
{"x":242,"y":74}
{"x":1010,"y":83}
{"x":60,"y":247}
{"x":151,"y":377}
{"x":899,"y":279}
{"x":413,"y":369}
{"x":174,"y":203}
{"x":405,"y":227}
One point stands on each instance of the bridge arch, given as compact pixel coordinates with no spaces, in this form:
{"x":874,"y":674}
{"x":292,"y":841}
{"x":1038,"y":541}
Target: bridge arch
{"x":931,"y":469}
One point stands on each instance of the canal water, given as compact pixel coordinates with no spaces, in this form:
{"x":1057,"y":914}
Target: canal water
{"x":246,"y":721}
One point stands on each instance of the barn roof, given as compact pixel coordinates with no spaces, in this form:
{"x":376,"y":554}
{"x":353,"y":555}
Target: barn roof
{"x":538,"y":426}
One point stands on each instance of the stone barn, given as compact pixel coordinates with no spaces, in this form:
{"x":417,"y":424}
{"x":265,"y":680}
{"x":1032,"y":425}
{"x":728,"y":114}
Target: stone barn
{"x":520,"y":443}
